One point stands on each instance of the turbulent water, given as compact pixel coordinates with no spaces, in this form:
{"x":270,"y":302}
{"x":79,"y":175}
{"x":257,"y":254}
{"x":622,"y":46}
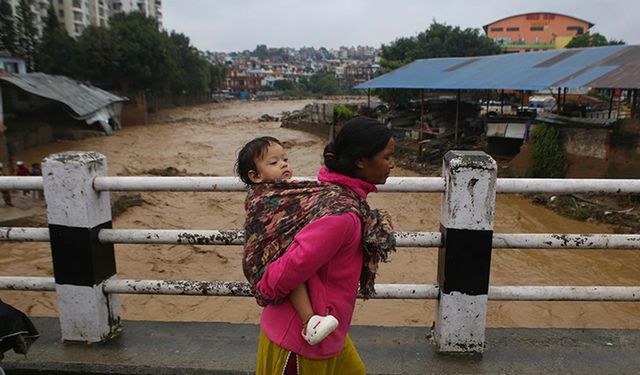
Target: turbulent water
{"x":204,"y":140}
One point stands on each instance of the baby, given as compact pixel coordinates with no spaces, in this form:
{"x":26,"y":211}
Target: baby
{"x":264,"y":160}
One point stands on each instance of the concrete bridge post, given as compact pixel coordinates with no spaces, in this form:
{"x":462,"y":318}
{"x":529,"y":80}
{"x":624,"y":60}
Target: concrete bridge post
{"x":81,"y":264}
{"x":464,"y":260}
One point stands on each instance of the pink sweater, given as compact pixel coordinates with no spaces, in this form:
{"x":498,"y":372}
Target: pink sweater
{"x":327,"y":255}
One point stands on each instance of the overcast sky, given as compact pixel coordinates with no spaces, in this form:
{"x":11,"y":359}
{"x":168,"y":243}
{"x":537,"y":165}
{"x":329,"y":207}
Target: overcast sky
{"x":236,"y":25}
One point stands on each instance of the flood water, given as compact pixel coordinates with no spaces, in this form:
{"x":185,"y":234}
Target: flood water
{"x":204,"y":140}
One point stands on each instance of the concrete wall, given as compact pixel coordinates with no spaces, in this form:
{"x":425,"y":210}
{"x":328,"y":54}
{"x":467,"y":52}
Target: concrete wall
{"x":586,"y":142}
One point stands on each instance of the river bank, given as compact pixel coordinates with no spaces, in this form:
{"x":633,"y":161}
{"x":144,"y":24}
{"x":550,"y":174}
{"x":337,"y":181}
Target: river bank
{"x":203,"y":140}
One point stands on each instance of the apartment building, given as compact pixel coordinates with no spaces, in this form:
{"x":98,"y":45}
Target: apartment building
{"x":76,"y":15}
{"x":150,"y":8}
{"x":38,"y":9}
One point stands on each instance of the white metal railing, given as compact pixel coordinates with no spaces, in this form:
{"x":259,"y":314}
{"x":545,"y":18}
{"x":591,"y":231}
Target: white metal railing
{"x":394,"y":184}
{"x":403,"y":239}
{"x":103,"y":183}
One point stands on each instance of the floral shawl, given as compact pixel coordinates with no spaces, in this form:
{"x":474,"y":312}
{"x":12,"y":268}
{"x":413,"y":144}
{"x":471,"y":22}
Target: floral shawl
{"x":276,"y":212}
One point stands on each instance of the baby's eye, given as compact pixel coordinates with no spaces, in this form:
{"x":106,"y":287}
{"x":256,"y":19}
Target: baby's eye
{"x":286,"y":160}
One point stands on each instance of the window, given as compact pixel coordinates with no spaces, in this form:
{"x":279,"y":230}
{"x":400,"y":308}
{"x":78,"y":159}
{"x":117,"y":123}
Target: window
{"x":577,"y":29}
{"x":11,"y":67}
{"x":549,"y":16}
{"x":536,"y":28}
{"x":77,"y":16}
{"x":497,"y":29}
{"x":513,"y":29}
{"x":77,"y":4}
{"x":533,"y":16}
{"x":61,"y":13}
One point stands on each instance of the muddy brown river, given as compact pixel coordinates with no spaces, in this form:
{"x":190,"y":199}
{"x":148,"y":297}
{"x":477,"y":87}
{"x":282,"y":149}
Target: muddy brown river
{"x":204,"y":140}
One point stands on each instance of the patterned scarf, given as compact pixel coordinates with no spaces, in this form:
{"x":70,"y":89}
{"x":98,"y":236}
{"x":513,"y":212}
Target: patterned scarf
{"x":276,"y":212}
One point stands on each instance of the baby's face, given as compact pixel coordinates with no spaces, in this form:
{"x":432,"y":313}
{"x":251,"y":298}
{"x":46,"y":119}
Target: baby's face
{"x":273,"y":166}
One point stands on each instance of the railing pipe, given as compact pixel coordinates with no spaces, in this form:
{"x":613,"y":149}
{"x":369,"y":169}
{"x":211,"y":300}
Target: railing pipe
{"x":565,"y":241}
{"x":383,"y":291}
{"x":20,"y":183}
{"x":24,"y":234}
{"x":403,"y":239}
{"x":394,"y":184}
{"x":564,"y":293}
{"x":39,"y":284}
{"x":566,"y":185}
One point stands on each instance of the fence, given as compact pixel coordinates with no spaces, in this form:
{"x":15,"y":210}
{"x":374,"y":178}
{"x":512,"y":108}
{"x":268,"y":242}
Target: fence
{"x":77,"y":189}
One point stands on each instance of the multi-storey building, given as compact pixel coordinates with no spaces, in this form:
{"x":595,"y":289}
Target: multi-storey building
{"x":535,"y":31}
{"x":150,"y":8}
{"x":76,"y":15}
{"x":38,"y":9}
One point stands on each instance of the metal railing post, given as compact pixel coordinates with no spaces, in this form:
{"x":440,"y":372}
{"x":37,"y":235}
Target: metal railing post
{"x":81,"y":264}
{"x":464,"y":260}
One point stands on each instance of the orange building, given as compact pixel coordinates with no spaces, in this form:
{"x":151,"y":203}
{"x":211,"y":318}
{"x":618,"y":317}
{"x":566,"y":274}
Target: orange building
{"x":535,"y":31}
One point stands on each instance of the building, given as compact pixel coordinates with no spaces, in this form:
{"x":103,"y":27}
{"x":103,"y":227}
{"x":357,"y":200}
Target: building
{"x":38,"y":9}
{"x":535,"y":31}
{"x":11,"y":64}
{"x":150,"y":8}
{"x":77,"y":15}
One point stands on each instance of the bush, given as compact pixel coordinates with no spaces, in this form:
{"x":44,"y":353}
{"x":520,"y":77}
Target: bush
{"x":343,"y":113}
{"x":547,"y":159}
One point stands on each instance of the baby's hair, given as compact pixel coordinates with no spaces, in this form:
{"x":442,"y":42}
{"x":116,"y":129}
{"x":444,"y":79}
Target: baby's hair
{"x":253,"y":150}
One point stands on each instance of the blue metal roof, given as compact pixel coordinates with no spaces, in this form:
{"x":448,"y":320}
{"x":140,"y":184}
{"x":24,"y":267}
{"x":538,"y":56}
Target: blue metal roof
{"x":600,"y":67}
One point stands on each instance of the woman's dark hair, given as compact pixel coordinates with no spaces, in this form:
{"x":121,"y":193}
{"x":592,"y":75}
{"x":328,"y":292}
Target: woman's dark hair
{"x":248,"y":154}
{"x":361,"y":137}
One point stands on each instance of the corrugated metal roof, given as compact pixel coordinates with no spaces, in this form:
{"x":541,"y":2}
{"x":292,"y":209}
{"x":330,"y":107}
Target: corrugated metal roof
{"x":83,"y":99}
{"x":595,"y":67}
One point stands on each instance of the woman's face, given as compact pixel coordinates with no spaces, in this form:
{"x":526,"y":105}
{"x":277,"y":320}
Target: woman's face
{"x":376,"y":169}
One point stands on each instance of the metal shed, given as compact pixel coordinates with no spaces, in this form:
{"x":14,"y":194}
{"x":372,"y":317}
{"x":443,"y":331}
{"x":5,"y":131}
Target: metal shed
{"x":86,"y":102}
{"x":610,"y":67}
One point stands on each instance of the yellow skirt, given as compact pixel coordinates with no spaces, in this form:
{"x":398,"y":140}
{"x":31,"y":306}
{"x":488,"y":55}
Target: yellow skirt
{"x":272,"y":359}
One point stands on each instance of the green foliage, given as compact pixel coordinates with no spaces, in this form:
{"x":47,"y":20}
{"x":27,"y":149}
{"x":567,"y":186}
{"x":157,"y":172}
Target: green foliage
{"x":591,"y":40}
{"x":8,"y":37}
{"x":100,"y":56}
{"x":217,"y":75}
{"x":439,"y":40}
{"x":342,"y":112}
{"x":283,"y":85}
{"x":146,"y":61}
{"x":58,"y":53}
{"x":547,"y":158}
{"x":192,"y":74}
{"x":321,"y":84}
{"x":27,"y":36}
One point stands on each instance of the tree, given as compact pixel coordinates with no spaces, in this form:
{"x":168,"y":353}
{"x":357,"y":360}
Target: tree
{"x":591,"y":40}
{"x":193,"y":73}
{"x":217,"y":75}
{"x":547,"y":158}
{"x":27,"y":35}
{"x":57,"y":52}
{"x":283,"y":85}
{"x":439,"y":40}
{"x":146,"y":59}
{"x":8,"y":37}
{"x":101,"y":56}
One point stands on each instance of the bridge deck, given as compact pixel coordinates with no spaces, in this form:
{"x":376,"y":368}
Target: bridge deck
{"x":221,"y":348}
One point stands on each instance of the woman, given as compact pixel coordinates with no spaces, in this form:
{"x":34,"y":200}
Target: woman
{"x":338,"y":247}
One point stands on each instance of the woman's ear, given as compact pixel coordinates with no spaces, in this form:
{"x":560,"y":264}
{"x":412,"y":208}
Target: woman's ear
{"x":254,"y":177}
{"x":360,"y":163}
